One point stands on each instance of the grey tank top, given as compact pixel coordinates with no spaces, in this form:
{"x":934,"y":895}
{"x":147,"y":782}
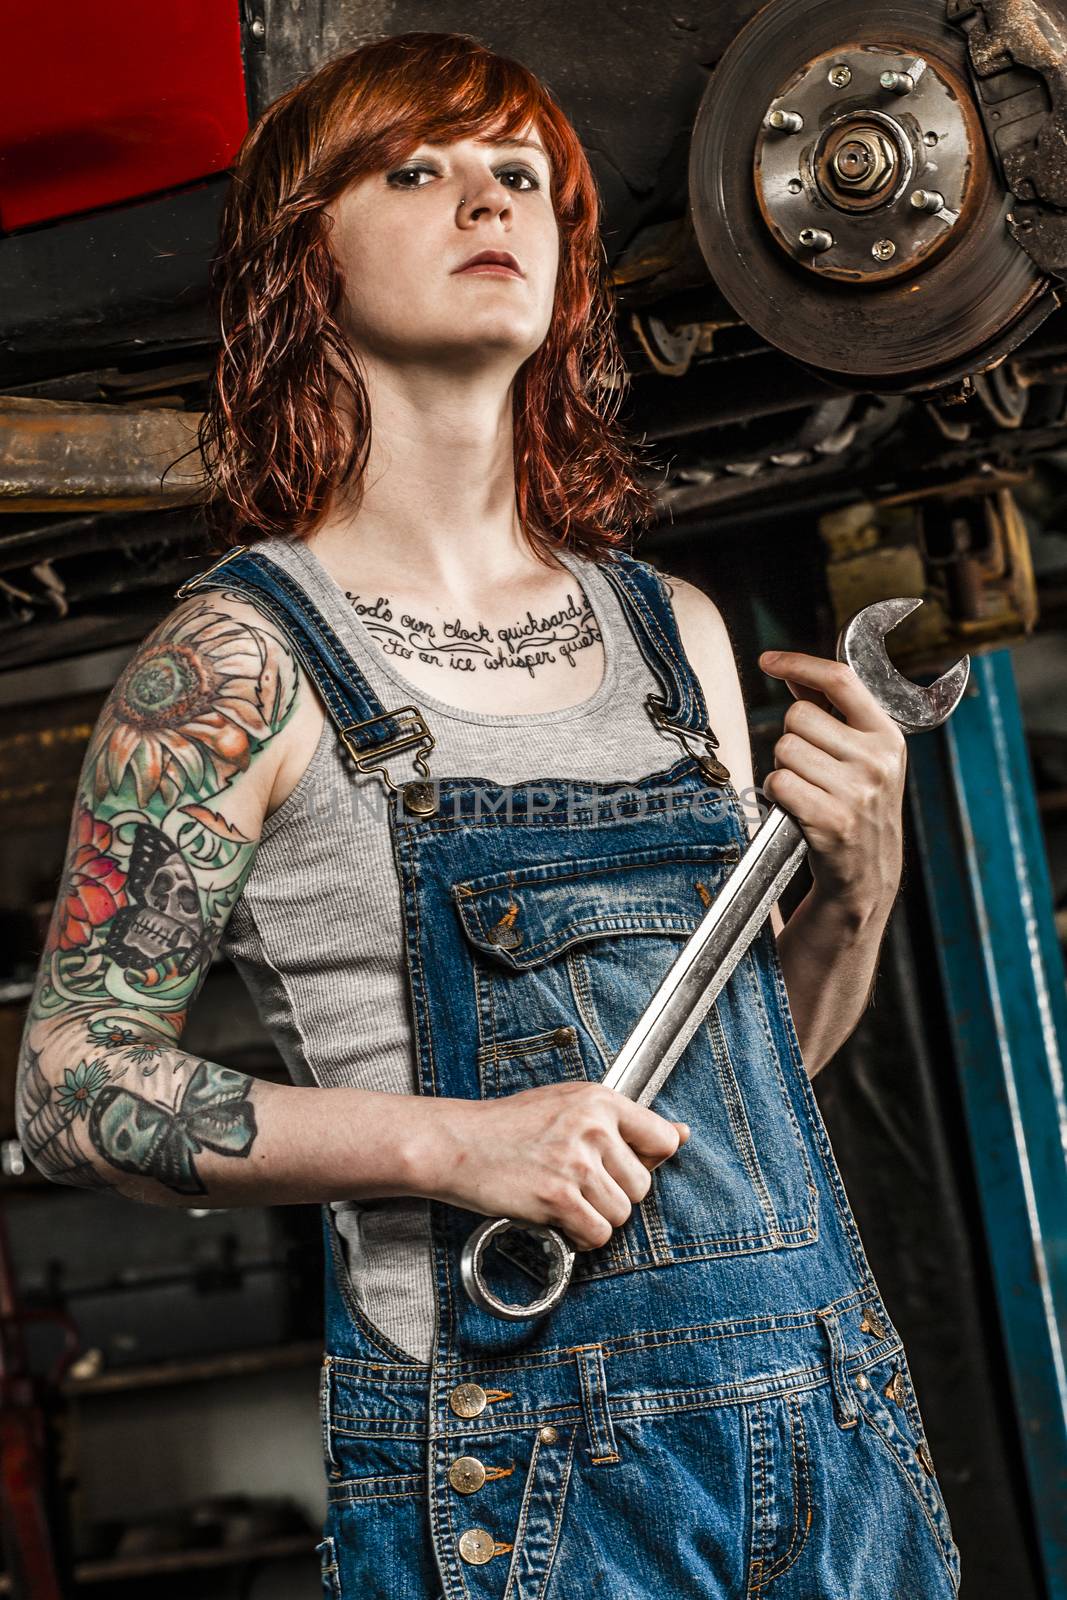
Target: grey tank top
{"x":317,"y":934}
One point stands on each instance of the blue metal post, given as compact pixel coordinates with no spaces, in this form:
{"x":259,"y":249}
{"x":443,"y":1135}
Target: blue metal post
{"x":983,"y":858}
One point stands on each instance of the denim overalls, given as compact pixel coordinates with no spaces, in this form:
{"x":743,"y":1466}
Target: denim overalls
{"x":720,"y":1408}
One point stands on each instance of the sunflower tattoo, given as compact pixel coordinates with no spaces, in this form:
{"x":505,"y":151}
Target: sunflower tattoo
{"x":188,"y":710}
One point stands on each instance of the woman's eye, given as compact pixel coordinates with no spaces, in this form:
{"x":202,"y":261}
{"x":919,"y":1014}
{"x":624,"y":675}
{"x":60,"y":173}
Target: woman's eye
{"x":402,"y":172}
{"x":532,"y":180}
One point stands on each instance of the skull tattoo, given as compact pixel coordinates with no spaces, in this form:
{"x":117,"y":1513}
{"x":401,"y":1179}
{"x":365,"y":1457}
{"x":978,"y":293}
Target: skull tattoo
{"x":162,"y":920}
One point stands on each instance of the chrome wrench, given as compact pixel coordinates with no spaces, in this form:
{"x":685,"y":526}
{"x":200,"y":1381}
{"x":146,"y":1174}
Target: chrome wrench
{"x":725,"y":932}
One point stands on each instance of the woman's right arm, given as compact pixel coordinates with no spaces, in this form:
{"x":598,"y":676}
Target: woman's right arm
{"x":170,"y":804}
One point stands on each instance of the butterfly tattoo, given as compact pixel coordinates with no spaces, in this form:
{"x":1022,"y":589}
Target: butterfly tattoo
{"x":138,"y":1135}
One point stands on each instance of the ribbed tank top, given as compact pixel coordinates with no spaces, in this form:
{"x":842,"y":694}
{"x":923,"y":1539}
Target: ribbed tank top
{"x":317,"y":933}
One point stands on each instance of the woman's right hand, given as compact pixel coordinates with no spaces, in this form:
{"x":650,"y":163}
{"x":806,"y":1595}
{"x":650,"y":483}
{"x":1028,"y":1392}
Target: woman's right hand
{"x":573,"y":1156}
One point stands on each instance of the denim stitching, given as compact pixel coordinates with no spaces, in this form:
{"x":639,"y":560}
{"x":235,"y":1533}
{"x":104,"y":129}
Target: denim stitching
{"x":324,"y":1411}
{"x":735,"y":1110}
{"x":407,"y":870}
{"x":331,"y":1578}
{"x":524,"y":1517}
{"x":801,"y":1478}
{"x":690,"y":695}
{"x":845,"y":1406}
{"x":582,"y":927}
{"x":408,"y":1487}
{"x":625,"y":1406}
{"x":602,"y":1439}
{"x":304,"y":646}
{"x":755,"y":1417}
{"x":583,"y":1000}
{"x":748,"y":974}
{"x":545,"y":873}
{"x":628,"y":588}
{"x":932,"y":1521}
{"x":564,"y":1485}
{"x":626,"y":1344}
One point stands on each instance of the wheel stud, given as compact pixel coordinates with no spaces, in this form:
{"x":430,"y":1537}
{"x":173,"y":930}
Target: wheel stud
{"x":785,"y":121}
{"x":815,"y":239}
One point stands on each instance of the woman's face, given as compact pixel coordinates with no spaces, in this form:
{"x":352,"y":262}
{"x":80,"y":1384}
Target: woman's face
{"x":402,"y":237}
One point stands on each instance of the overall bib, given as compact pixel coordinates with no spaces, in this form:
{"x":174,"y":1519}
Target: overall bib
{"x":721,"y":1407}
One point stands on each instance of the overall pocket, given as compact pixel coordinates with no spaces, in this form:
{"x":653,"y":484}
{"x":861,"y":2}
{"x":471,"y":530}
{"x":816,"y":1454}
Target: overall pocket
{"x":565,"y":956}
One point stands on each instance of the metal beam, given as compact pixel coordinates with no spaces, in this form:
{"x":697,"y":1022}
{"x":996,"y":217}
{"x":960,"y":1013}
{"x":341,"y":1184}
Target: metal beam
{"x":983,"y":858}
{"x":70,"y":456}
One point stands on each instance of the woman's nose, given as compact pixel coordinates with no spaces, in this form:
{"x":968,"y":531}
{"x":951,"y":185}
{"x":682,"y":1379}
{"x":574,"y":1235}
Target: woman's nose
{"x":489,"y":199}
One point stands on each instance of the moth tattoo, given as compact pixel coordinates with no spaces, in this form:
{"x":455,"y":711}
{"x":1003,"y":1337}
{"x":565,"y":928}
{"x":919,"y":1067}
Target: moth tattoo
{"x":142,"y":1136}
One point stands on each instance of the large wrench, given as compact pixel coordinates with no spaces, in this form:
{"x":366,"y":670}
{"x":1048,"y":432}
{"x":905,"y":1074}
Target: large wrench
{"x":725,"y":932}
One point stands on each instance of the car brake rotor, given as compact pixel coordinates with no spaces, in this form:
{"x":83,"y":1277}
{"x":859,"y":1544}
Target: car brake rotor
{"x":845,"y":201}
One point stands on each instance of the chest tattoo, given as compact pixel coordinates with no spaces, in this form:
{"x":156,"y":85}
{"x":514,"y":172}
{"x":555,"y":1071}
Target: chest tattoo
{"x":534,"y":641}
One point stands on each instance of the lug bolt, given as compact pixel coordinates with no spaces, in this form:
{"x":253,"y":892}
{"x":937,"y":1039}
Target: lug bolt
{"x":840,"y":76}
{"x":883,"y":249}
{"x":815,"y":239}
{"x":785,"y":121}
{"x":926,"y":200}
{"x":897,"y":82}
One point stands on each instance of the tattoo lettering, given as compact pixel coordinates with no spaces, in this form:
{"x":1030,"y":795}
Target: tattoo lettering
{"x":535,"y":641}
{"x":152,"y":871}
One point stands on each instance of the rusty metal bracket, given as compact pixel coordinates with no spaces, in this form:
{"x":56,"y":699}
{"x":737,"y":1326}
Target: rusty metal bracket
{"x":1018,"y":56}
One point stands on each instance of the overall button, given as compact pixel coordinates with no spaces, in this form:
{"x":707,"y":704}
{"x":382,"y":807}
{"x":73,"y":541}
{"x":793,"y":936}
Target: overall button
{"x":468,"y":1399}
{"x":420,"y":799}
{"x":871,"y":1322}
{"x":477,"y":1546}
{"x":894,"y":1389}
{"x":548,"y":1435}
{"x":466,"y":1474}
{"x":862,"y":1381}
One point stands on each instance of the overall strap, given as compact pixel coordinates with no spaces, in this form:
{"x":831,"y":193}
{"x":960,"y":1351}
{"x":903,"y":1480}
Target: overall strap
{"x":681,"y":709}
{"x":368,"y":732}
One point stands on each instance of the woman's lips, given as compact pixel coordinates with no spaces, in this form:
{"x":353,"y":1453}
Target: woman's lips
{"x":492,"y":266}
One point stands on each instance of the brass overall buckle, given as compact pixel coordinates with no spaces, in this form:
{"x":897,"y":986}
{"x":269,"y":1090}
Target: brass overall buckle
{"x":419,"y":798}
{"x":181,"y":592}
{"x":710,"y":765}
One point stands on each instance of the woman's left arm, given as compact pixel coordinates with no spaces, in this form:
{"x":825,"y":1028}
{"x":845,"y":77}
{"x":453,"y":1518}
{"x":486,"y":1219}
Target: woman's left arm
{"x":844,"y":783}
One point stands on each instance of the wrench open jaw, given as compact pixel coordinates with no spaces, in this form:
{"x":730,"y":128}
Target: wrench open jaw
{"x":725,"y":932}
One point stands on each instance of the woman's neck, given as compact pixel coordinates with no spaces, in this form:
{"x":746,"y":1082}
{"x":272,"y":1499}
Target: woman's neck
{"x":438,"y":492}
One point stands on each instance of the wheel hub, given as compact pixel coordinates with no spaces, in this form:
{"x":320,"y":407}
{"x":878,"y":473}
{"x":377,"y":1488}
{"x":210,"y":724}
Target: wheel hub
{"x":847,"y":144}
{"x":844,"y":198}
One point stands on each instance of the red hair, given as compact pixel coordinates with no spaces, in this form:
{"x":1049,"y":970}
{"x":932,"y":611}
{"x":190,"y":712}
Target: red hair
{"x":271,"y":439}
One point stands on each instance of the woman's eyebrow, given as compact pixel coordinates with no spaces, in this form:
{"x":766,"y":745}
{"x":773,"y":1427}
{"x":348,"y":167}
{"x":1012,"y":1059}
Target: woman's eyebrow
{"x":527,"y":144}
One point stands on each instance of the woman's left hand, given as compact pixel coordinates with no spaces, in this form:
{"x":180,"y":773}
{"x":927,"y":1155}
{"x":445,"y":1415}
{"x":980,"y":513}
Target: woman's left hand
{"x":842,"y":780}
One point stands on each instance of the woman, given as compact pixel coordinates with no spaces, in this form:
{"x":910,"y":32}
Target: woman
{"x":428,"y":752}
